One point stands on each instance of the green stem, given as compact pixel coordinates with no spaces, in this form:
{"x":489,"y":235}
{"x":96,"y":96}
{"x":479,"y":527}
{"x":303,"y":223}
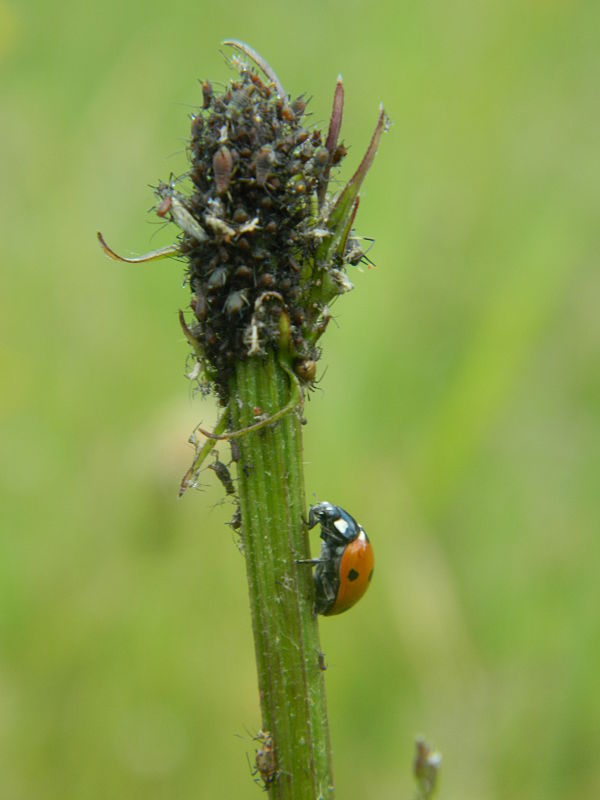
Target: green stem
{"x":286,"y":637}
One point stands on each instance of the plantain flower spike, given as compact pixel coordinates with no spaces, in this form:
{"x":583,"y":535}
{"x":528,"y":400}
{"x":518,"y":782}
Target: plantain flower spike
{"x":260,"y":233}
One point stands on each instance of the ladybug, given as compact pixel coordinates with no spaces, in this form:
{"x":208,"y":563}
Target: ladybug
{"x":344,"y":569}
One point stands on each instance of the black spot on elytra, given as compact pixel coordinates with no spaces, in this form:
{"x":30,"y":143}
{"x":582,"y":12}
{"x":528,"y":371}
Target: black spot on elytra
{"x":352,"y":575}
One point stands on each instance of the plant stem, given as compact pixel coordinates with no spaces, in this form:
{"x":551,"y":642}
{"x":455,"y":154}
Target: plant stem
{"x":286,"y":637}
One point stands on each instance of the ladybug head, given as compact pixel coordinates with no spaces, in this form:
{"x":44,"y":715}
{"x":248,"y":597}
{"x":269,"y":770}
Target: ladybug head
{"x":337,"y":526}
{"x":322,"y":512}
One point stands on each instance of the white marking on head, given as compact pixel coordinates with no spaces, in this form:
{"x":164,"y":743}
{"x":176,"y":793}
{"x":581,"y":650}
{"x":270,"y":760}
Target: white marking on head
{"x":362,"y":536}
{"x":324,"y":507}
{"x":341,"y":525}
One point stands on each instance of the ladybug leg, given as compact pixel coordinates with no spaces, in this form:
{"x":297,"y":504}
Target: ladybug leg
{"x":311,"y":521}
{"x":325,"y":592}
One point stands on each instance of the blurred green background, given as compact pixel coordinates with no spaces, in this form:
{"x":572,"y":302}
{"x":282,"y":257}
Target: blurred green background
{"x":458,"y":418}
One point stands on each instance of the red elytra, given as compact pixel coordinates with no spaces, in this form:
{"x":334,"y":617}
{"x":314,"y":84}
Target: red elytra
{"x":355,"y":572}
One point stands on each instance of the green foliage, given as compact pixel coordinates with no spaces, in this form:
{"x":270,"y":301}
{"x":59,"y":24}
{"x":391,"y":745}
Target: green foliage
{"x":459,"y":419}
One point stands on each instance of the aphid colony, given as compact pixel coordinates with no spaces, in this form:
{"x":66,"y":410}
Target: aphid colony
{"x":249,"y":225}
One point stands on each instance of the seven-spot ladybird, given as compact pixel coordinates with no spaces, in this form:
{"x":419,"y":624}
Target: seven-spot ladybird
{"x":344,"y":569}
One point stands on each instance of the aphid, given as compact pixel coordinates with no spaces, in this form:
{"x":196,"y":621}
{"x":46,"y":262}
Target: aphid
{"x":264,"y":161}
{"x":285,"y":145}
{"x":243,"y":272}
{"x":235,"y":302}
{"x":323,"y":322}
{"x":256,"y":80}
{"x":265,"y":759}
{"x":240,"y":215}
{"x":199,"y":306}
{"x":321,"y":157}
{"x":344,"y":568}
{"x":197,"y":125}
{"x":236,"y":452}
{"x":287,"y":114}
{"x":223,"y":474}
{"x":306,"y":370}
{"x":217,"y":280}
{"x":353,"y":252}
{"x":298,"y":316}
{"x":299,"y":106}
{"x":207,"y":94}
{"x":341,"y":280}
{"x":236,"y":521}
{"x":339,"y":153}
{"x":194,"y":372}
{"x":260,"y":254}
{"x":240,"y":100}
{"x":222,"y":166}
{"x":306,"y":152}
{"x":210,"y":337}
{"x":266,"y":280}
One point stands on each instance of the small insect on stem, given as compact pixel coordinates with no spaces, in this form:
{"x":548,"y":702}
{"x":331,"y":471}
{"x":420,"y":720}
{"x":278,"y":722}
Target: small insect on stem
{"x":306,"y":370}
{"x":235,"y":523}
{"x":266,"y":765}
{"x":223,"y":474}
{"x":236,"y":453}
